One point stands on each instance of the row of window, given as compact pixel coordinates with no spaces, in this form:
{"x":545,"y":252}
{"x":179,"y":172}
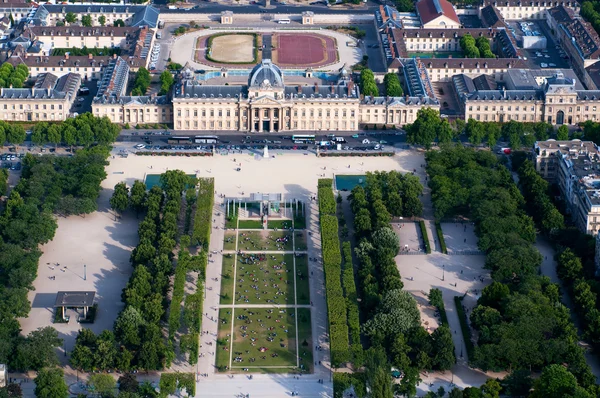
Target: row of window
{"x":33,"y":116}
{"x":36,"y":107}
{"x":532,"y":108}
{"x":303,"y":125}
{"x":265,"y":113}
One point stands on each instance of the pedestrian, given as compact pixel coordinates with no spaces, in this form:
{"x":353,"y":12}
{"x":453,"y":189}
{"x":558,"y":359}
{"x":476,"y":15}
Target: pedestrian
{"x":465,"y":240}
{"x":461,"y":271}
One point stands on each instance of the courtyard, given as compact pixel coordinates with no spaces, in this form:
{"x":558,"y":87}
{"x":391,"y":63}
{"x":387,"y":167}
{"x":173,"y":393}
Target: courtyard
{"x":221,"y":48}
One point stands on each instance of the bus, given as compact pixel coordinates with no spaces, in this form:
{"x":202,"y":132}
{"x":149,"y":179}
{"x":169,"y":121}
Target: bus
{"x":179,"y":140}
{"x":206,"y":139}
{"x":284,"y":20}
{"x":303,"y":139}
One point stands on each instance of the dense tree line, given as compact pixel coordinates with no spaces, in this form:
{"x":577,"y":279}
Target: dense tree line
{"x":521,"y":322}
{"x":137,"y":341}
{"x":76,"y":51}
{"x":392,"y":85}
{"x":590,"y":11}
{"x":11,"y":76}
{"x":83,"y":130}
{"x":3,"y":181}
{"x":332,"y":263}
{"x":392,"y":322}
{"x":367,"y":83}
{"x":166,"y":82}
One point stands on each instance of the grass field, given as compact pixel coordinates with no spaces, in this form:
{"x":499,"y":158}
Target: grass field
{"x":249,"y":224}
{"x":305,"y":340}
{"x":279,"y":224}
{"x":229,"y":241}
{"x":300,"y":241}
{"x":302,"y":287}
{"x":264,"y":337}
{"x":223,"y":341}
{"x":265,"y":240}
{"x":264,"y":279}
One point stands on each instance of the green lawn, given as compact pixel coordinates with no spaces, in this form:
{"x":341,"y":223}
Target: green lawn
{"x":231,"y":222}
{"x":302,"y":287}
{"x":279,"y":240}
{"x":223,"y":341}
{"x":251,"y":241}
{"x":279,"y":224}
{"x":300,"y":241}
{"x":250,"y":224}
{"x":264,"y":279}
{"x":272,"y":331}
{"x":305,"y":339}
{"x":229,"y":240}
{"x":300,"y":220}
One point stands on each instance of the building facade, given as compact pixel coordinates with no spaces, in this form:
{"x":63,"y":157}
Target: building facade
{"x":50,"y":99}
{"x":267,"y":104}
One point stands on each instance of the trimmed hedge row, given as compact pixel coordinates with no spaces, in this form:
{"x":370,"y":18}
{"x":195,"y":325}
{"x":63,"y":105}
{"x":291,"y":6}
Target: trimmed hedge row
{"x":202,"y":223}
{"x":464,"y":326}
{"x":336,"y":304}
{"x":350,"y":292}
{"x":327,"y":203}
{"x":425,"y":237}
{"x":178,"y":292}
{"x":188,"y":154}
{"x":440,"y":235}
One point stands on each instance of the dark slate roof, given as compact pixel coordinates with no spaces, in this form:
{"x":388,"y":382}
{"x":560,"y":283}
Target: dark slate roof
{"x":504,"y":95}
{"x":191,"y":89}
{"x":148,"y":16}
{"x":586,"y":39}
{"x":127,"y":99}
{"x":485,"y":82}
{"x":463,"y":84}
{"x":266,"y":71}
{"x":47,"y":86}
{"x":95,"y":8}
{"x":586,"y":95}
{"x":530,"y":3}
{"x":74,"y":299}
{"x":407,"y":100}
{"x":562,"y":14}
{"x":491,"y":17}
{"x":322,"y":91}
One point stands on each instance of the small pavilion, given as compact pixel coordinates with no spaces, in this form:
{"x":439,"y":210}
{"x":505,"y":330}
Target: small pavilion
{"x":77,"y":300}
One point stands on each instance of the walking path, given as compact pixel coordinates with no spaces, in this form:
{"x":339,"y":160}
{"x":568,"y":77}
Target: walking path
{"x":264,"y":305}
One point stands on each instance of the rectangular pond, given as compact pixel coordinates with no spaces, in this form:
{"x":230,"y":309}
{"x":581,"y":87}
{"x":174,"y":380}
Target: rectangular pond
{"x":348,"y":182}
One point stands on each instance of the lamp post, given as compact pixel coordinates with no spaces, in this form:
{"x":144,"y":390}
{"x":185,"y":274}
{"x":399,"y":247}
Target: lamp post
{"x":84,"y":272}
{"x":443,"y":272}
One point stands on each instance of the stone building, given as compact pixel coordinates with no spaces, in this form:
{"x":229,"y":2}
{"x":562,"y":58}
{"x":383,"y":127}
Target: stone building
{"x":267,"y":104}
{"x":50,"y":99}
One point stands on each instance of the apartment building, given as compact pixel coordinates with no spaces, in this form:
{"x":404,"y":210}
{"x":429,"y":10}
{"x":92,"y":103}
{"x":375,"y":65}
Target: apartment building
{"x":557,"y":100}
{"x":82,"y":36}
{"x":519,"y":10}
{"x":111,"y":101}
{"x":405,"y":41}
{"x":575,"y":167}
{"x":50,"y":14}
{"x":50,"y":99}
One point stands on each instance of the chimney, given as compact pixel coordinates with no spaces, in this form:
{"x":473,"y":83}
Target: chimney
{"x":66,"y":56}
{"x":332,"y":88}
{"x":316,"y":88}
{"x":90,"y":56}
{"x":350,"y":88}
{"x":183,"y":90}
{"x":49,"y":90}
{"x":299,"y":89}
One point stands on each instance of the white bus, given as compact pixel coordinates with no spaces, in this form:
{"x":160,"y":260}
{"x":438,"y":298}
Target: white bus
{"x":284,"y":20}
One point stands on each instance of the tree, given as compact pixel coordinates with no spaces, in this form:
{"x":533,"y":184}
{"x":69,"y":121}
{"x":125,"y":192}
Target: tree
{"x":166,"y":82}
{"x":569,"y":267}
{"x":120,"y":198}
{"x":53,"y":134}
{"x":379,"y":380}
{"x":102,"y":384}
{"x":69,"y":135}
{"x":435,"y":298}
{"x":12,"y":390}
{"x":70,"y":17}
{"x":119,"y":22}
{"x":555,"y":381}
{"x":102,"y":20}
{"x":443,"y":348}
{"x":367,"y":83}
{"x":517,"y":383}
{"x":386,"y":242}
{"x":392,"y":85}
{"x":491,"y":389}
{"x":425,"y":129}
{"x":128,"y":383}
{"x":128,"y":325}
{"x":396,"y":314}
{"x":138,"y":196}
{"x":50,"y":383}
{"x":475,"y":131}
{"x":562,"y":134}
{"x":39,"y":133}
{"x":37,"y":350}
{"x":86,"y":20}
{"x":16,"y":134}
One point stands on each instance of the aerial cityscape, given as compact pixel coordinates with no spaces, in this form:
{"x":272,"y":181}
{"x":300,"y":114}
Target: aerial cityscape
{"x":325,"y":199}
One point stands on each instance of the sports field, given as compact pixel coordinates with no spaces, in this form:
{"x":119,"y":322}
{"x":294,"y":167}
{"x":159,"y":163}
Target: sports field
{"x":304,"y":49}
{"x":233,"y":48}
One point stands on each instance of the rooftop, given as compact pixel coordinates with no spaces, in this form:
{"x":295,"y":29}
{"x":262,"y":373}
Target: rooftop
{"x":562,"y":14}
{"x":585,"y":38}
{"x":74,"y":299}
{"x":47,"y":86}
{"x":491,"y":17}
{"x":114,"y":79}
{"x":429,"y":10}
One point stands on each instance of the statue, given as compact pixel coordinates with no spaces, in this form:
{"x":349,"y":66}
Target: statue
{"x":266,"y":152}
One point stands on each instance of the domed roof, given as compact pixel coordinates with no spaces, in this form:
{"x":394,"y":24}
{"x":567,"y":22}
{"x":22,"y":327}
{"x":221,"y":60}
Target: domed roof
{"x":266,"y":74}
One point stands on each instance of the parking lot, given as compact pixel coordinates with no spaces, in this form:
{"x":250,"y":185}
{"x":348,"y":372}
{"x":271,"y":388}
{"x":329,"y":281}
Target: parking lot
{"x":550,"y":57}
